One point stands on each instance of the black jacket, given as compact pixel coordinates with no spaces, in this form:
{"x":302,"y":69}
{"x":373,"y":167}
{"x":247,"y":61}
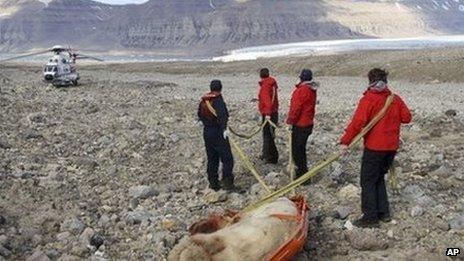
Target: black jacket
{"x":208,"y":119}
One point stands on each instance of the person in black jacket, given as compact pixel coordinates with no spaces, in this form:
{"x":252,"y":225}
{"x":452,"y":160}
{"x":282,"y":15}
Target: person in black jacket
{"x":212,"y":112}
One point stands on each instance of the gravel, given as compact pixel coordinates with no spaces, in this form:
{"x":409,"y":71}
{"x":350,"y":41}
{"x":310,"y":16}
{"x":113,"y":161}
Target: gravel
{"x":128,"y":163}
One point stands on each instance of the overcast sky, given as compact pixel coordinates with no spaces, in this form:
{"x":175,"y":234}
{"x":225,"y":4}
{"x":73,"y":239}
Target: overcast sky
{"x":121,"y":2}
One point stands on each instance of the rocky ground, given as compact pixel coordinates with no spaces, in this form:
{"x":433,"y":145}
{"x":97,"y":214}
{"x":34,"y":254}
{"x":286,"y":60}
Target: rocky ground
{"x":115,"y":168}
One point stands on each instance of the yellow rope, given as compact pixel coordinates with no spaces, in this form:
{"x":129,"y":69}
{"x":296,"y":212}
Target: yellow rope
{"x":320,"y":166}
{"x":249,"y":165}
{"x":242,"y":154}
{"x":251,"y":135}
{"x":393,"y":178}
{"x":291,"y":163}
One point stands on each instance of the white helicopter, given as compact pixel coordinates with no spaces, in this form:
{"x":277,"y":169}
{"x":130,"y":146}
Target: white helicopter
{"x":60,"y":69}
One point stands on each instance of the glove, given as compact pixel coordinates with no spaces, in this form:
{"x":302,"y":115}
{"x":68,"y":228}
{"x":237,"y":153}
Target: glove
{"x":225,"y":134}
{"x":199,"y":123}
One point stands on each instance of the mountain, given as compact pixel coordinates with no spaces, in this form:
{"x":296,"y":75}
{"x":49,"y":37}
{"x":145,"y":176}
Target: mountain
{"x":192,"y":27}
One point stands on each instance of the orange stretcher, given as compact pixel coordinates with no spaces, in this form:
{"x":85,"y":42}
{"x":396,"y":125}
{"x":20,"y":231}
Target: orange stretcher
{"x":286,"y":251}
{"x":296,"y":243}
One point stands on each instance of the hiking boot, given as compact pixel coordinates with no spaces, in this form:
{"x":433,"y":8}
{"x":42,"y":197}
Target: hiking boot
{"x":271,"y":161}
{"x":366,"y":223}
{"x":232,"y":188}
{"x":385,"y":218}
{"x":215,"y":187}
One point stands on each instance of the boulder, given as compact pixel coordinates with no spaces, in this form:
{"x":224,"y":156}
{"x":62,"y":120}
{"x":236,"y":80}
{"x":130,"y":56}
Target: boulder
{"x":349,"y":192}
{"x":136,"y":217}
{"x":417,"y":211}
{"x":457,"y":223}
{"x":38,"y":255}
{"x":341,"y":212}
{"x":366,"y":240}
{"x":215,"y":196}
{"x":142,"y":192}
{"x":97,"y":240}
{"x":73,"y":225}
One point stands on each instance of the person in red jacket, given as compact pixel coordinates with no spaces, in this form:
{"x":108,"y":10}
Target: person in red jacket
{"x":380,"y":145}
{"x":269,"y":109}
{"x":301,"y":118}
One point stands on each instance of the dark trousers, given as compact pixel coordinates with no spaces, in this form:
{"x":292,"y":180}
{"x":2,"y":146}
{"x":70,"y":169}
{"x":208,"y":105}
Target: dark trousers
{"x":270,"y":153}
{"x":218,"y":149}
{"x":299,"y":139}
{"x":374,"y":199}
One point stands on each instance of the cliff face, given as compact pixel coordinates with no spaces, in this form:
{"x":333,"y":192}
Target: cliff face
{"x":216,"y":25}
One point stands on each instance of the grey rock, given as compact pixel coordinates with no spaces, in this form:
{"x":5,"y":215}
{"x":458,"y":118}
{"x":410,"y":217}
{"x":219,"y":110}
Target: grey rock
{"x":216,"y":196}
{"x":413,"y":192}
{"x":73,"y":225}
{"x":38,"y":255}
{"x":86,"y":163}
{"x":417,"y":211}
{"x":104,"y":220}
{"x":443,"y":225}
{"x":97,"y":240}
{"x":52,"y":253}
{"x":84,"y":238}
{"x":337,"y":174}
{"x":67,"y":257}
{"x":164,"y":239}
{"x":302,"y":256}
{"x":4,"y":145}
{"x":451,"y":113}
{"x":174,"y":138}
{"x":366,"y":240}
{"x":4,"y":252}
{"x":349,"y":193}
{"x":236,"y":200}
{"x":342,"y":212}
{"x":2,"y":220}
{"x":134,"y":202}
{"x":457,"y":223}
{"x":3,"y":239}
{"x":31,"y":134}
{"x":272,"y":178}
{"x":426,"y":201}
{"x":136,"y":217}
{"x":64,"y":236}
{"x":142,"y":192}
{"x":37,"y":117}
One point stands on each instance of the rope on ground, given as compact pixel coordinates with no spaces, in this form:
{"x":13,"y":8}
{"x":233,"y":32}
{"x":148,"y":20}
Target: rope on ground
{"x":393,"y":178}
{"x":320,"y":166}
{"x":248,"y":136}
{"x":249,"y":165}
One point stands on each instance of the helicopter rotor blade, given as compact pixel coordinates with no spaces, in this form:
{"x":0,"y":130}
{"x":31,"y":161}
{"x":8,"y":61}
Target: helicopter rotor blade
{"x":84,"y":56}
{"x":24,"y":56}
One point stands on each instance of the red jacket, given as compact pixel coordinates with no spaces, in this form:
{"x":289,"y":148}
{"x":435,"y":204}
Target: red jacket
{"x":302,"y":105}
{"x":268,"y":98}
{"x":385,"y":136}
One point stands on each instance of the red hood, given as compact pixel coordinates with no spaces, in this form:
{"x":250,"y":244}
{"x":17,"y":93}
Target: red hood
{"x":309,"y":84}
{"x":384,"y":92}
{"x":269,"y":81}
{"x":210,"y":96}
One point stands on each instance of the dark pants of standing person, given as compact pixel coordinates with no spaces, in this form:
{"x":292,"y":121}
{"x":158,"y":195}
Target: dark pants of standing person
{"x":270,"y":153}
{"x":299,"y":139}
{"x":218,"y":149}
{"x":374,"y":199}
